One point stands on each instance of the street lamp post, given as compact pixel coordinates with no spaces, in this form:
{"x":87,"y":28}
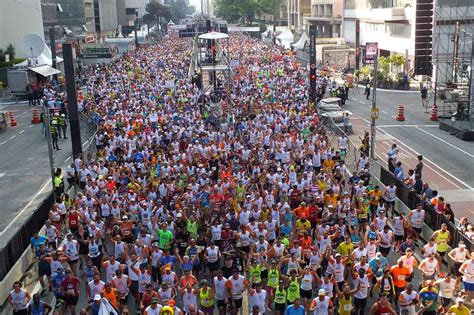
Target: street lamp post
{"x":52,"y":41}
{"x":374,"y":109}
{"x":136,"y":25}
{"x":50,"y":145}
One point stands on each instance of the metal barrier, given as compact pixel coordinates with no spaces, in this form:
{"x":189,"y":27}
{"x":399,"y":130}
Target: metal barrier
{"x":407,"y":196}
{"x":20,"y":241}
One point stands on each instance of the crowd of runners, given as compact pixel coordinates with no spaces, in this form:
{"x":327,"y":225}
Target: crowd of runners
{"x":178,"y":214}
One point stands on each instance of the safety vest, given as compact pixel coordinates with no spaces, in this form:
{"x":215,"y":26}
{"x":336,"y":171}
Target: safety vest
{"x":58,"y":181}
{"x":53,"y":130}
{"x":273,"y":277}
{"x":62,"y":121}
{"x":205,"y":298}
{"x":280,"y":296}
{"x":293,"y":292}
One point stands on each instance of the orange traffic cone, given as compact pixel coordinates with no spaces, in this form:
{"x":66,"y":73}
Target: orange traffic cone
{"x":36,"y":116}
{"x":434,"y":113}
{"x":401,"y":113}
{"x":12,"y":119}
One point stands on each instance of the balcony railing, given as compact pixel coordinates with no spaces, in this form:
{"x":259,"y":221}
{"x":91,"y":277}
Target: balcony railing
{"x":385,"y":4}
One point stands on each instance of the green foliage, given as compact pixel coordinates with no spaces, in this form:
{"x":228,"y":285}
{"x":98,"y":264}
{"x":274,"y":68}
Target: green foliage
{"x":4,"y":64}
{"x":155,"y":11}
{"x":243,"y":10}
{"x":397,"y":60}
{"x":178,"y":11}
{"x":10,"y":51}
{"x":384,"y":65}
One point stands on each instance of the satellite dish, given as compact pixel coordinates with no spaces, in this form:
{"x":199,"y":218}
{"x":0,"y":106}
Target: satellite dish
{"x":32,"y":45}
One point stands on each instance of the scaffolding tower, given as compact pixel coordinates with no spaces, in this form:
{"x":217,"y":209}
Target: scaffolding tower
{"x":452,"y":49}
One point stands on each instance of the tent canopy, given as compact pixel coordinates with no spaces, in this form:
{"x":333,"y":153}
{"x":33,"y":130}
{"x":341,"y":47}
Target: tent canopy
{"x":45,"y":70}
{"x":301,"y":42}
{"x":213,"y":35}
{"x":285,"y":39}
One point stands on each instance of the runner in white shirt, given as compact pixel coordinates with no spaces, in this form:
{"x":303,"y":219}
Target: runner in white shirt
{"x":459,"y":255}
{"x":447,"y":290}
{"x":322,"y":304}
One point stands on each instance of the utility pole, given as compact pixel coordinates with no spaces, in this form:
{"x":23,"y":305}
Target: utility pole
{"x":456,"y":50}
{"x":52,"y":43}
{"x":136,"y":26}
{"x":357,"y":44}
{"x":374,"y":109}
{"x":50,"y":145}
{"x":471,"y":84}
{"x":72,"y":100}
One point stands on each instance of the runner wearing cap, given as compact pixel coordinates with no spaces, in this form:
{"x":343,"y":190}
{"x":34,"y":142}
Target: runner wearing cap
{"x":467,"y":271}
{"x":460,"y":308}
{"x":154,"y":308}
{"x":322,"y":304}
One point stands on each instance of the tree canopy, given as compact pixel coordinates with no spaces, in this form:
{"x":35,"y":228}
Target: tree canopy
{"x":243,"y":10}
{"x":155,"y":11}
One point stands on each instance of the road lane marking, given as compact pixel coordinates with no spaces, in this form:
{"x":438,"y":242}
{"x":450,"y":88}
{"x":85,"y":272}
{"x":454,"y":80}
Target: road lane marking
{"x":65,"y":161}
{"x":30,"y":126}
{"x":3,"y":142}
{"x":436,"y":165}
{"x":12,"y":137}
{"x":48,"y":182}
{"x":436,"y":137}
{"x":361,"y":102}
{"x":2,"y":174}
{"x":409,"y":126}
{"x":84,"y":143}
{"x":426,"y":159}
{"x":22,"y":131}
{"x":384,"y":112}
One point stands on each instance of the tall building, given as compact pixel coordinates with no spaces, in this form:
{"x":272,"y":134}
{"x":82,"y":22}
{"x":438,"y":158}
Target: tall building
{"x":452,"y":40}
{"x":391,"y":23}
{"x":127,"y":13}
{"x":105,"y":18}
{"x":18,"y":19}
{"x":296,"y":10}
{"x":327,"y":16}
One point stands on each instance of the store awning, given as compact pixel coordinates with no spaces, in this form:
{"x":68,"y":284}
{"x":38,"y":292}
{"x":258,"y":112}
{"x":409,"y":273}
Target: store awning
{"x":45,"y":70}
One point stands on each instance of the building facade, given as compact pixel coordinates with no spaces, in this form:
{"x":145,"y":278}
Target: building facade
{"x":327,"y":16}
{"x":452,"y":40}
{"x":12,"y":31}
{"x":390,"y":23}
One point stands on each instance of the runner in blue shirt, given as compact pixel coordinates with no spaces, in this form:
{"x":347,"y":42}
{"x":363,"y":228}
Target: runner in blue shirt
{"x":295,"y":308}
{"x":37,"y":240}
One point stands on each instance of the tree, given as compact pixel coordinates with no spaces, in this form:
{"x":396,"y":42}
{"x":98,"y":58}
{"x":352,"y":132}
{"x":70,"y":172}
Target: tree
{"x":179,"y":10}
{"x":398,"y":61}
{"x":10,"y":51}
{"x":156,"y":12}
{"x":244,"y":10}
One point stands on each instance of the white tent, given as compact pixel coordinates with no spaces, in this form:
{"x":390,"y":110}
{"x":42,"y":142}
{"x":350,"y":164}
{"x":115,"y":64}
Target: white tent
{"x":301,"y":42}
{"x":213,"y":35}
{"x":285,"y":39}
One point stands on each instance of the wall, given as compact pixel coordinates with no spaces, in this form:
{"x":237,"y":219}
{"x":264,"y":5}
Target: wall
{"x":392,"y":36}
{"x":108,"y":15}
{"x":18,"y":20}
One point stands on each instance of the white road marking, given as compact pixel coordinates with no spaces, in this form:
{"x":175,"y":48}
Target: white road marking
{"x":22,"y":131}
{"x":2,"y":174}
{"x":436,"y":137}
{"x":409,"y":126}
{"x":384,"y":112}
{"x":65,"y":161}
{"x":85,"y":142}
{"x":436,"y":165}
{"x":12,"y":137}
{"x":24,"y":113}
{"x":48,"y":182}
{"x":361,"y":102}
{"x":30,"y":126}
{"x":3,"y":142}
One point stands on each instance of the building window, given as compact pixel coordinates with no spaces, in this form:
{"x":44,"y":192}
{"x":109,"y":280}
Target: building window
{"x":328,"y":9}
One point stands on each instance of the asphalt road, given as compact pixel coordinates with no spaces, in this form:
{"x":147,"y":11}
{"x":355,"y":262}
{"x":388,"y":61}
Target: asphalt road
{"x":449,"y":161}
{"x":24,"y":165}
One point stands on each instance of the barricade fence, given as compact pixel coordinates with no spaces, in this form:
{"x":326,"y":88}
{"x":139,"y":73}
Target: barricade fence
{"x":20,"y":241}
{"x":407,"y":196}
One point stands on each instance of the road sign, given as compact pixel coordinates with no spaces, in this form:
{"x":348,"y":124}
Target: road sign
{"x":374,"y":114}
{"x":371,"y":52}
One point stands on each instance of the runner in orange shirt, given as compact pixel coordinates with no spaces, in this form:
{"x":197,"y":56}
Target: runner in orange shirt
{"x":399,"y":275}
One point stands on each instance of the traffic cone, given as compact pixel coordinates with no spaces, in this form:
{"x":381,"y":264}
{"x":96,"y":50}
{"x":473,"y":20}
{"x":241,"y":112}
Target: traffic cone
{"x":434,"y":113}
{"x":36,"y":116}
{"x":12,"y":119}
{"x":401,"y":113}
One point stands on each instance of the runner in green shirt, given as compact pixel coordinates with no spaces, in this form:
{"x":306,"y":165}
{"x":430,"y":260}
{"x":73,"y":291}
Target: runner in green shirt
{"x":165,"y":237}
